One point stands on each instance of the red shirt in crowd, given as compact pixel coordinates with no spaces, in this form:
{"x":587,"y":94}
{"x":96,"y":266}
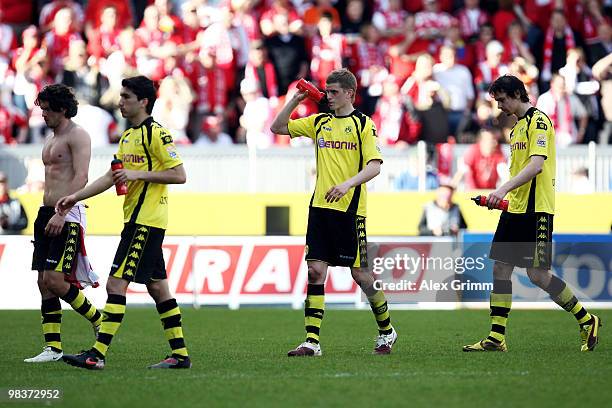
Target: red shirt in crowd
{"x":482,"y":174}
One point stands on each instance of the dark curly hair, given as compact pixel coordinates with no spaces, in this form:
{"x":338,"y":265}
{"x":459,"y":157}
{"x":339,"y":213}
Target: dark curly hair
{"x":142,"y":87}
{"x":511,"y":86}
{"x":60,"y":97}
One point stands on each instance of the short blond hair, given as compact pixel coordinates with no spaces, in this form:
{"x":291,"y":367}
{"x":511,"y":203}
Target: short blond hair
{"x":345,"y":78}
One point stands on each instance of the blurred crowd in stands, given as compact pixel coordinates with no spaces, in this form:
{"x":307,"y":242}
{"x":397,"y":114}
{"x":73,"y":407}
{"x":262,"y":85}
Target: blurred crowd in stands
{"x":224,"y":67}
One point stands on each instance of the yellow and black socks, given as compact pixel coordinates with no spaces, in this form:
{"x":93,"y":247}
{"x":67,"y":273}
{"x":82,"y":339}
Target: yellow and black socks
{"x":379,"y":306}
{"x":51,"y":311}
{"x":113,"y":315}
{"x":314,"y":309}
{"x":501,"y":303}
{"x":170,"y":316}
{"x":562,"y":295}
{"x":81,"y":305}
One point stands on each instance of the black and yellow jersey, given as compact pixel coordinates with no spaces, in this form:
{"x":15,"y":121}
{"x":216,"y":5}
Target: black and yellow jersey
{"x":343,"y":147}
{"x":533,"y":135}
{"x":147,"y":147}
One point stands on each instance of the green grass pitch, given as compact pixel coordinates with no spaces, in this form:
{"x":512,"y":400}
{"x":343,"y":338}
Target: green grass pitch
{"x":240,"y":360}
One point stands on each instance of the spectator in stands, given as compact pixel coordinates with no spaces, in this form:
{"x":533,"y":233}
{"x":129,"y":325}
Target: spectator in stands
{"x":601,"y":47}
{"x":11,"y":120}
{"x":217,"y":38}
{"x":119,"y":64}
{"x":104,"y":38}
{"x":152,"y":45}
{"x":402,"y":56}
{"x":172,"y":107}
{"x":86,"y":81}
{"x":49,"y":11}
{"x":8,"y":42}
{"x":13,"y":218}
{"x":391,"y":22}
{"x":256,"y":117}
{"x":483,"y":164}
{"x":579,"y":81}
{"x":427,"y":98}
{"x":353,"y":19}
{"x":328,"y":50}
{"x":269,"y":26}
{"x":456,"y":80}
{"x":471,"y":19}
{"x":313,"y":14}
{"x":212,"y":133}
{"x":371,"y":69}
{"x":580,"y":182}
{"x":57,"y":41}
{"x":564,"y":110}
{"x":558,"y":40}
{"x":389,"y":114}
{"x":464,"y":52}
{"x":260,"y":70}
{"x":480,"y":45}
{"x":490,"y":69}
{"x":502,"y":19}
{"x":287,"y":52}
{"x":431,"y":25}
{"x":36,"y":77}
{"x":95,"y":8}
{"x":442,"y":217}
{"x":515,"y":45}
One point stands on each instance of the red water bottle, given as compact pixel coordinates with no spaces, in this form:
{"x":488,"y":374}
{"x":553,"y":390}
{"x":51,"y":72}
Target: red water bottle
{"x":312,"y":91}
{"x":482,"y":201}
{"x":120,"y":188}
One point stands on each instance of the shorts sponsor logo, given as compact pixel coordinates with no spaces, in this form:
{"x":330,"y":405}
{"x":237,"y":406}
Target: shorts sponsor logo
{"x":336,"y":144}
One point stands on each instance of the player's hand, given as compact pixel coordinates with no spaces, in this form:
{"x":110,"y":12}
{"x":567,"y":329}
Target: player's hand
{"x":437,"y":231}
{"x":495,"y":197}
{"x":55,"y":225}
{"x":300,"y":95}
{"x":64,"y":205}
{"x":123,"y":175}
{"x":336,"y":193}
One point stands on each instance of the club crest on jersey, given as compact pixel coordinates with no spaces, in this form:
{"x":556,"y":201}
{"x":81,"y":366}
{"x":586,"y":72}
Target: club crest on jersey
{"x":348,"y":129}
{"x":336,"y":144}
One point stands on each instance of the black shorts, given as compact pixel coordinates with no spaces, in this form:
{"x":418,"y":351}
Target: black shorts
{"x":139,"y":257}
{"x":523,"y":240}
{"x":55,"y":253}
{"x":336,"y":238}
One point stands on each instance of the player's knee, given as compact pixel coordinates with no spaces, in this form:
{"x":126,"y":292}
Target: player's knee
{"x":53,"y":281}
{"x":539,"y":277}
{"x":314,"y":275}
{"x":116,"y":286}
{"x":360,"y":276}
{"x":155,"y":291}
{"x":502,"y":271}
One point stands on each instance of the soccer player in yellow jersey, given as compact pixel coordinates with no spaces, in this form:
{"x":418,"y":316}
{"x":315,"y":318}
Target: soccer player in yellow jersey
{"x":524,"y":233}
{"x":347,"y":157}
{"x":151,"y":163}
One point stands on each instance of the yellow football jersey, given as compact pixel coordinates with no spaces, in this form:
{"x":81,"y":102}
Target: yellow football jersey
{"x":147,"y":147}
{"x":533,"y":134}
{"x":343,"y":147}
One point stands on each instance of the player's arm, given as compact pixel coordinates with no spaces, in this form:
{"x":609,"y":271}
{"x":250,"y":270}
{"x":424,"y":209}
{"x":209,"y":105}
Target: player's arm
{"x":175,"y":175}
{"x":80,"y":145}
{"x":102,"y":184}
{"x":279,"y":125}
{"x":371,"y":170}
{"x":533,"y":168}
